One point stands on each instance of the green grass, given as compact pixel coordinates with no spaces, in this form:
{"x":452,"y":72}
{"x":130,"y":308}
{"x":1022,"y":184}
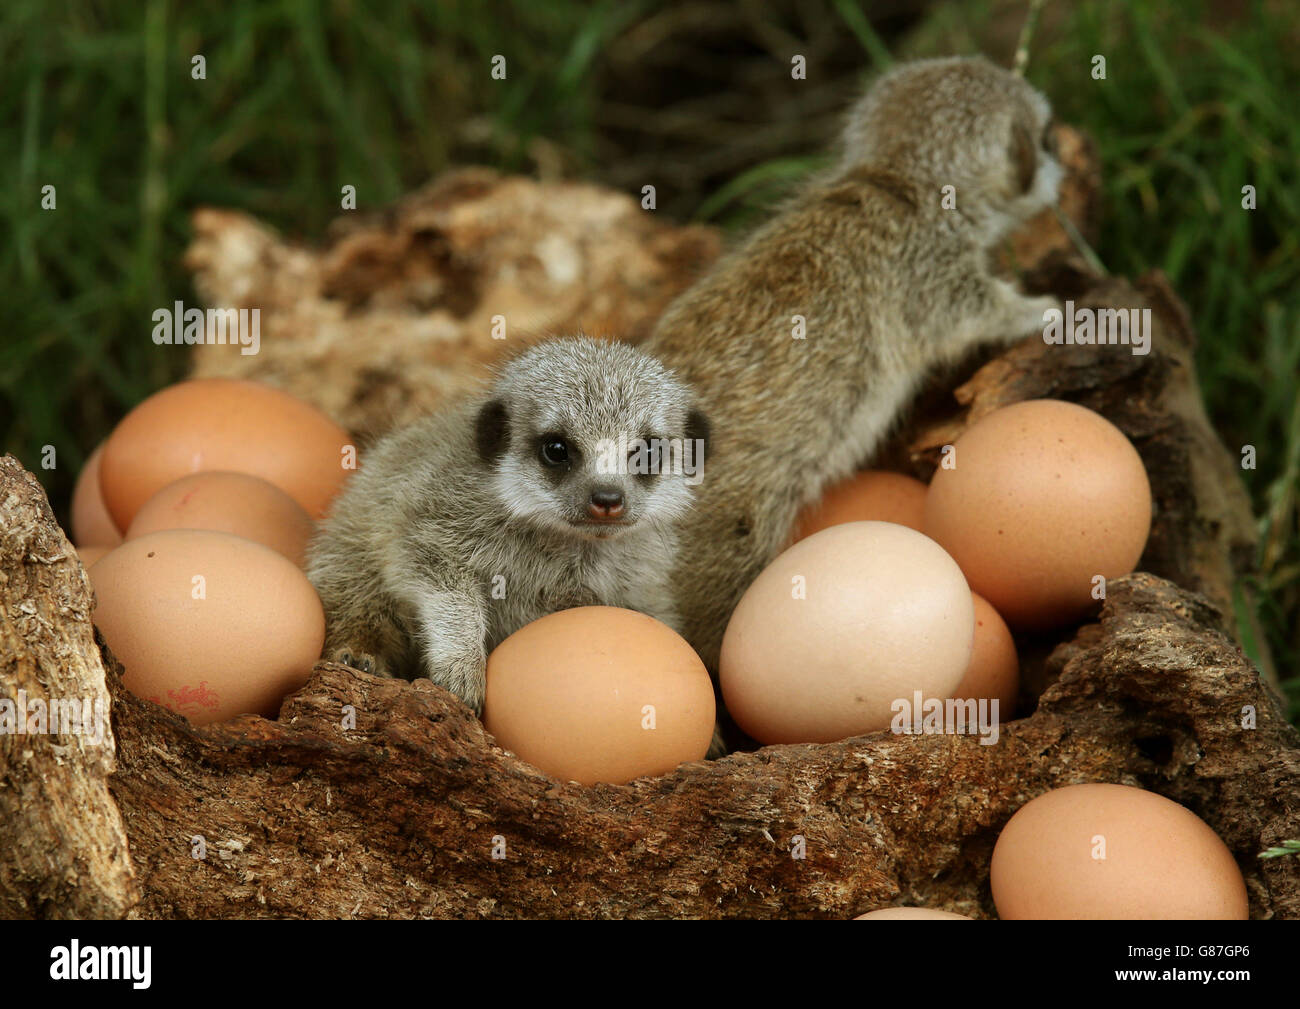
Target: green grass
{"x":1187,"y":117}
{"x":303,"y":97}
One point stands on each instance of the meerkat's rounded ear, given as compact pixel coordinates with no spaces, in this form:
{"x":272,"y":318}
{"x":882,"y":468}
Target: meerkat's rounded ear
{"x":492,"y":430}
{"x":697,"y":426}
{"x":1023,"y":155}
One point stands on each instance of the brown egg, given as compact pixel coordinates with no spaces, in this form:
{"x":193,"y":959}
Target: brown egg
{"x":910,"y":914}
{"x":599,"y":693}
{"x":92,"y":526}
{"x":1113,"y":852}
{"x":1044,"y":498}
{"x":870,"y":495}
{"x":994,"y":670}
{"x":839,"y":628}
{"x":208,"y":624}
{"x":223,"y":424}
{"x":233,"y":503}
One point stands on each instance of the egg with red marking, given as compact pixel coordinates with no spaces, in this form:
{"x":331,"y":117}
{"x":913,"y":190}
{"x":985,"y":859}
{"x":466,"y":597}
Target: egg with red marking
{"x":208,"y":624}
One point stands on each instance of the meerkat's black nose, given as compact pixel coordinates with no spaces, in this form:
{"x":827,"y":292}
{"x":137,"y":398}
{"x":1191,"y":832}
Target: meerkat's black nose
{"x":605,"y":504}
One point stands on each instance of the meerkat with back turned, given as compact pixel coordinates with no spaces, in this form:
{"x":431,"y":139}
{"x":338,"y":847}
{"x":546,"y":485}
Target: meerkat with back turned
{"x":888,"y":282}
{"x":561,"y":486}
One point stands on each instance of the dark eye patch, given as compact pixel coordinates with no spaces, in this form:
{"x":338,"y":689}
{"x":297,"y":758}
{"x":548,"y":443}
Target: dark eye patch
{"x":697,"y":428}
{"x":492,"y":430}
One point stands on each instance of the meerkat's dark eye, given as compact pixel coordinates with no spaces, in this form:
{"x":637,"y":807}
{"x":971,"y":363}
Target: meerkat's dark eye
{"x":554,"y":451}
{"x":644,"y":456}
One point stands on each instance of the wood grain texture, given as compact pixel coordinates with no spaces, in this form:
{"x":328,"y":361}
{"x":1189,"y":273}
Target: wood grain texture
{"x":63,"y":848}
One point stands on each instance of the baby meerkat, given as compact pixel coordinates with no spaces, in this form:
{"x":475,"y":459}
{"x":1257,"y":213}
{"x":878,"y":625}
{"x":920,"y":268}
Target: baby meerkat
{"x":806,"y":342}
{"x":561,"y":486}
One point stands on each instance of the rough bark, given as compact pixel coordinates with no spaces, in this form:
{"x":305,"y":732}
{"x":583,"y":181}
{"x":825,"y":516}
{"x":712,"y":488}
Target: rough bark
{"x":63,"y":849}
{"x":397,"y":817}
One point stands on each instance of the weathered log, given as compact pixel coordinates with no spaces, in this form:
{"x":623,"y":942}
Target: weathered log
{"x":63,"y":849}
{"x":396,"y":809}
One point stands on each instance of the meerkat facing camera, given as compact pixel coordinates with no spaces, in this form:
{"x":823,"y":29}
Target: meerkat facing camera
{"x":806,"y":342}
{"x":561,"y":486}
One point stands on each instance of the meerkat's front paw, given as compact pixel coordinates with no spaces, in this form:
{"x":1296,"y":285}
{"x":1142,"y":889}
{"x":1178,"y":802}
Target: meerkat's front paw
{"x":1035,"y":315}
{"x":361,"y":661}
{"x":466,"y":679}
{"x":1015,"y":316}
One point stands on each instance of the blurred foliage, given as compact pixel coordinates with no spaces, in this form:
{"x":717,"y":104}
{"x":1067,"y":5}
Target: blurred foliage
{"x":304,"y":96}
